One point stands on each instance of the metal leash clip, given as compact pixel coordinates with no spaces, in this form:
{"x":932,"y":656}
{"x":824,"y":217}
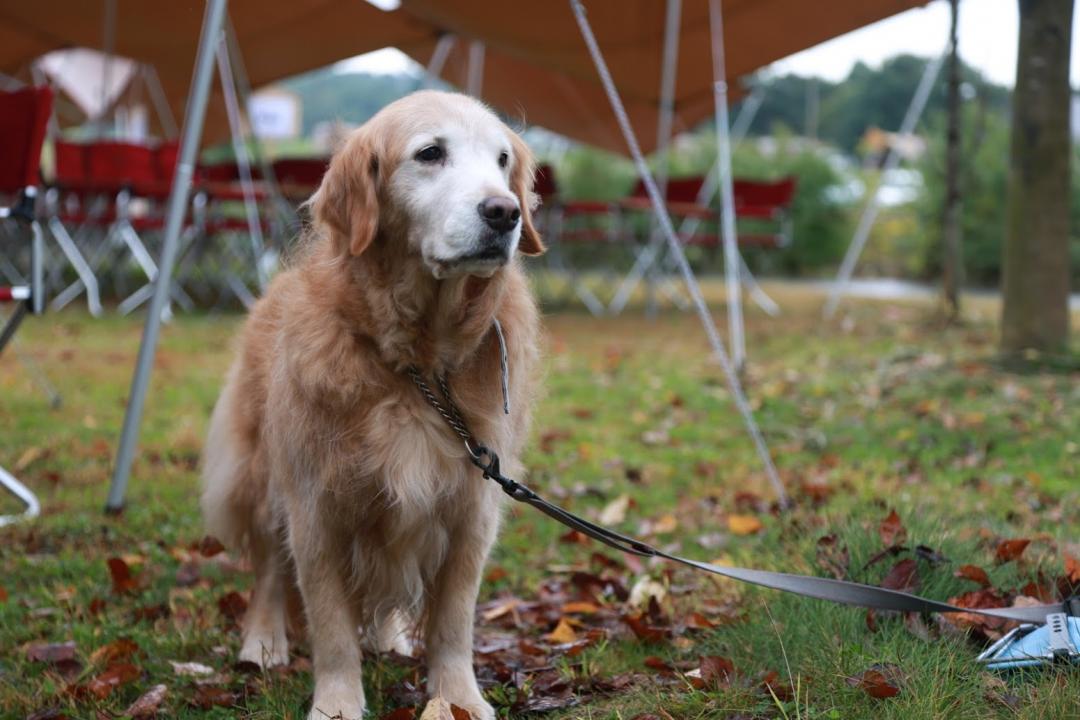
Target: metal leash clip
{"x":1037,"y":645}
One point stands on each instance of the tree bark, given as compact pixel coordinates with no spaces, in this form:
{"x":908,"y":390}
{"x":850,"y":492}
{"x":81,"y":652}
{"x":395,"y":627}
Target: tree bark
{"x":953,"y":260}
{"x":1035,"y":279}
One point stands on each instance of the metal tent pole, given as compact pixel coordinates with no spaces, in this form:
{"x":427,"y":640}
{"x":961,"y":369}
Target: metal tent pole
{"x":435,"y":65}
{"x":873,"y":205}
{"x":690,"y":225}
{"x":727,"y":194}
{"x":669,"y":62}
{"x":213,"y":22}
{"x":243,"y":162}
{"x":676,"y":251}
{"x":474,"y":84}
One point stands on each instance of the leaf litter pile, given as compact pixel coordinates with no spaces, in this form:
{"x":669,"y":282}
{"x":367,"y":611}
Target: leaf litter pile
{"x":914,"y":464}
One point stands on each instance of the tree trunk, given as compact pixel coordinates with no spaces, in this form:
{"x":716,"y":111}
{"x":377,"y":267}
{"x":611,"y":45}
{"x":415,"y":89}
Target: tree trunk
{"x":1035,"y":280}
{"x":953,"y":261}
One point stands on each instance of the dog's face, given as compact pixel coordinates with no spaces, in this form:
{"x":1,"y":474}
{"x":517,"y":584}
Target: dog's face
{"x":440,"y":173}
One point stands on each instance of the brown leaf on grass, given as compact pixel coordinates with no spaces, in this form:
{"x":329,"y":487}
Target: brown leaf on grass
{"x":654,"y":663}
{"x":148,"y":703}
{"x":642,"y":629}
{"x":904,"y":576}
{"x":49,"y":713}
{"x":3,"y":594}
{"x":51,"y":652}
{"x":892,"y":530}
{"x":876,"y":684}
{"x":713,"y":673}
{"x":117,"y":650}
{"x":562,"y":634}
{"x":974,"y":573}
{"x":210,"y":546}
{"x":232,"y":605}
{"x":113,"y":677}
{"x":208,"y":696}
{"x":439,"y":709}
{"x":697,"y":621}
{"x":1072,"y":568}
{"x":122,"y":581}
{"x":773,"y":686}
{"x":151,"y":613}
{"x":744,"y":524}
{"x":1010,"y":549}
{"x":871,"y":620}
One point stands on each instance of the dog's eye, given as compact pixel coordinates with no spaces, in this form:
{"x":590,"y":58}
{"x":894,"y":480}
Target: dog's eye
{"x":431,"y":154}
{"x":504,"y":157}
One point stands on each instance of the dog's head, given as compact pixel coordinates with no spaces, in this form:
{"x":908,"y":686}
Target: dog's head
{"x":440,"y":173}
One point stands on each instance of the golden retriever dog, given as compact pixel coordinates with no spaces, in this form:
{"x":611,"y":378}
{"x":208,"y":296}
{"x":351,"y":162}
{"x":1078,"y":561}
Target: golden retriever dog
{"x":324,"y":464}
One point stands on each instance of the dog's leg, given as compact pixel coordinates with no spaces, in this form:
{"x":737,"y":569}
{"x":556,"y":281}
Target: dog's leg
{"x":450,"y":622}
{"x":389,"y":633}
{"x":335,"y":645}
{"x":265,"y":642}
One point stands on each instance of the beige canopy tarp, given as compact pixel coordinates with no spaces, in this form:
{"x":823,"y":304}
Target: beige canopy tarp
{"x":536,"y":66}
{"x":277,"y":38}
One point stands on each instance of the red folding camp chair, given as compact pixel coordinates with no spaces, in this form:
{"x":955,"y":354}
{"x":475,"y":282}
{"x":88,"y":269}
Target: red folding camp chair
{"x":23,"y":117}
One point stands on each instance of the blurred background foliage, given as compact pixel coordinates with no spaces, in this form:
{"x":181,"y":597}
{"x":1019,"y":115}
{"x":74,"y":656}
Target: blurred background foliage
{"x":807,"y":127}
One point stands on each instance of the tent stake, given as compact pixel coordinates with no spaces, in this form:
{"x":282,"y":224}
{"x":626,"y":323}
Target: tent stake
{"x":213,"y":22}
{"x":676,"y":251}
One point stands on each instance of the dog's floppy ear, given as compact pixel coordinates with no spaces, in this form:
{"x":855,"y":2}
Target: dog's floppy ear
{"x":347,"y":201}
{"x":521,"y":184}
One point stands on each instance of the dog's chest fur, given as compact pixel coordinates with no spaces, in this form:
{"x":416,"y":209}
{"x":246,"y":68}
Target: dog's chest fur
{"x":357,"y":446}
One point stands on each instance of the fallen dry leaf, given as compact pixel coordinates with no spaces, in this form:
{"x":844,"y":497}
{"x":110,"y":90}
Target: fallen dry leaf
{"x":148,"y":703}
{"x":875,"y":684}
{"x":892,"y":530}
{"x":120,"y":649}
{"x":903,"y":576}
{"x":1010,"y":549}
{"x":113,"y":677}
{"x":615,"y":511}
{"x":51,"y":652}
{"x":1072,"y":568}
{"x":974,"y":573}
{"x":208,"y":696}
{"x":191,"y":669}
{"x":562,"y":634}
{"x":120,"y":571}
{"x":743,"y":524}
{"x":439,"y":709}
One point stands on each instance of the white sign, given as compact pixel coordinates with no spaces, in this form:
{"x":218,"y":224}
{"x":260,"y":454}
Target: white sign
{"x":275,"y":115}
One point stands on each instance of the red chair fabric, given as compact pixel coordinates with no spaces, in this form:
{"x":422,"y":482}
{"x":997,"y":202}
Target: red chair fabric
{"x":301,"y":171}
{"x":118,"y":165}
{"x":764,"y":200}
{"x":71,"y":169}
{"x":24,"y":117}
{"x":544,"y":183}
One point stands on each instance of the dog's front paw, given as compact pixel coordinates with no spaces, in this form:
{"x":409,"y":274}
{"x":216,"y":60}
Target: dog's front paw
{"x":264,"y":652}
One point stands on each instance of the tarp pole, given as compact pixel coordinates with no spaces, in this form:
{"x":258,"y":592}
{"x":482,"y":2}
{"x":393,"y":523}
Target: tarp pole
{"x":677,"y":253}
{"x":669,"y":62}
{"x":689,"y":225}
{"x":243,"y":88}
{"x":243,"y":162}
{"x":161,"y":103}
{"x":474,"y":84}
{"x":727,"y":194}
{"x":213,"y":22}
{"x":873,"y":204}
{"x":439,"y":56}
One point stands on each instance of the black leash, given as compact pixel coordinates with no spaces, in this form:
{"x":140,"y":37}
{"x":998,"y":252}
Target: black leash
{"x":841,"y":591}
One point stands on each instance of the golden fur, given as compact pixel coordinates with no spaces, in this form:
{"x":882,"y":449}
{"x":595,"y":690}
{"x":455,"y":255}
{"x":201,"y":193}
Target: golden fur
{"x":325,"y":465}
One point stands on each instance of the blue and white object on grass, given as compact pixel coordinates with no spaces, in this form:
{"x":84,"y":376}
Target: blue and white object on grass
{"x":1035,"y":645}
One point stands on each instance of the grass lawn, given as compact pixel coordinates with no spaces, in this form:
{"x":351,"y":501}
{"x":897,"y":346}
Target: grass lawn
{"x":879,"y":411}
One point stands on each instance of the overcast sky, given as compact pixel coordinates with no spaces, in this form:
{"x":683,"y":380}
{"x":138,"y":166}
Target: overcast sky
{"x":987,"y":40}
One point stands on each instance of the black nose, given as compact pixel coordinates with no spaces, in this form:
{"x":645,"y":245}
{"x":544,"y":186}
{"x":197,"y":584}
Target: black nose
{"x":500,"y":213}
